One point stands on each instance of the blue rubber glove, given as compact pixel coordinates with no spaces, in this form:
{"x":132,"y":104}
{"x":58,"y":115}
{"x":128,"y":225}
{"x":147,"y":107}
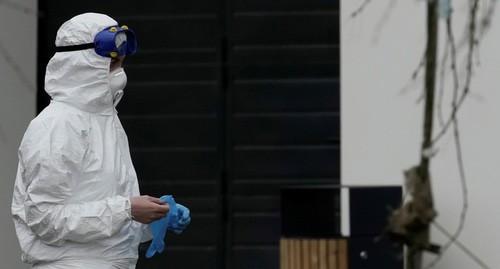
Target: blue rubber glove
{"x":183,"y":219}
{"x":176,"y":220}
{"x":159,"y":227}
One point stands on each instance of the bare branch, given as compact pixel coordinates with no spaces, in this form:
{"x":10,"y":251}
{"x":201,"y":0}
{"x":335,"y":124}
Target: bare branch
{"x":18,"y":7}
{"x":442,"y":73}
{"x":419,"y":67}
{"x":413,"y":259}
{"x":17,"y":69}
{"x":453,"y":67}
{"x":468,"y":252}
{"x":429,"y":87}
{"x":453,"y":238}
{"x":472,"y":42}
{"x":383,"y":20}
{"x":3,"y":136}
{"x":485,"y":21}
{"x":465,"y":200}
{"x":360,"y":8}
{"x":482,"y":27}
{"x":414,"y":77}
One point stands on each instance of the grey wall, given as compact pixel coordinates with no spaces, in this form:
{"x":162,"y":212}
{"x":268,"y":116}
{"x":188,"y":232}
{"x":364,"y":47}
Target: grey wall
{"x":18,"y":25}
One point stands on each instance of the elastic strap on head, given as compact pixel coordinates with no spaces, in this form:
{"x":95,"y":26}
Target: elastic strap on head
{"x":75,"y":47}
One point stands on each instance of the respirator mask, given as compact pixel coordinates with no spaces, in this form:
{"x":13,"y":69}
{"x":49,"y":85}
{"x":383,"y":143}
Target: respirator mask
{"x":117,"y":82}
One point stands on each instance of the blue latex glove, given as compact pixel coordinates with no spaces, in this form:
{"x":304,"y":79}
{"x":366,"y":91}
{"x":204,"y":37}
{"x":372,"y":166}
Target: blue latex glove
{"x":159,"y":227}
{"x":176,"y":220}
{"x":183,"y":219}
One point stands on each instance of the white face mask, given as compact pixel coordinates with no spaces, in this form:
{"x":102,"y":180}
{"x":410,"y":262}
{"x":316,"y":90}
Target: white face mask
{"x":117,"y":82}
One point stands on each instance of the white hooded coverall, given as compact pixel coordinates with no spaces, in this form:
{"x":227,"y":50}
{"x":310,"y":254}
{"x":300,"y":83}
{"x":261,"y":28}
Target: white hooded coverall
{"x":71,"y":204}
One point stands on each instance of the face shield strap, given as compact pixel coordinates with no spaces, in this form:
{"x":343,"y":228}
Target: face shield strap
{"x":75,"y":47}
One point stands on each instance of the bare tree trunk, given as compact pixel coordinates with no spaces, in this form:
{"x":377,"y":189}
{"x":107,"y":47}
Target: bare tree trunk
{"x":421,"y":238}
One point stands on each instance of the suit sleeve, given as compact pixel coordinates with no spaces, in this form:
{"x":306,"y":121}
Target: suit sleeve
{"x":51,"y":166}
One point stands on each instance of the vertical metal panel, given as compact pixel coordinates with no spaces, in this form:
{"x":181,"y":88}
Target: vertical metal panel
{"x":168,"y":111}
{"x":285,"y":112}
{"x":227,"y":102}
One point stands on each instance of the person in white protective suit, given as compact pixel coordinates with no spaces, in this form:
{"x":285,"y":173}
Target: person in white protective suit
{"x":76,"y":201}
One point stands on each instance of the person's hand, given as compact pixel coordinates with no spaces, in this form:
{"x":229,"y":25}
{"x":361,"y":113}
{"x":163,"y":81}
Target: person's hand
{"x":146,"y":209}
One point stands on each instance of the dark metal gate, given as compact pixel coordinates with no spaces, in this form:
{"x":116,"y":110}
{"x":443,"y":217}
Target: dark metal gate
{"x":227,"y":102}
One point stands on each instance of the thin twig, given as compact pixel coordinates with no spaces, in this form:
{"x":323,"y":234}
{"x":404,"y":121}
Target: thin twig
{"x":465,"y":200}
{"x":442,"y":73}
{"x":360,"y":8}
{"x":472,"y":44}
{"x":19,"y":7}
{"x":465,"y":203}
{"x":4,"y":52}
{"x":485,"y":21}
{"x":17,"y":69}
{"x":414,"y":77}
{"x":3,"y":136}
{"x":420,"y":66}
{"x":461,"y":246}
{"x":383,"y":20}
{"x":483,"y":26}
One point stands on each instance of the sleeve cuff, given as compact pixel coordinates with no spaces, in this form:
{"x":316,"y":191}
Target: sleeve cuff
{"x":128,"y":209}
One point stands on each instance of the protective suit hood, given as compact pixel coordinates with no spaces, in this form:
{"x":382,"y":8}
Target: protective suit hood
{"x":81,"y":78}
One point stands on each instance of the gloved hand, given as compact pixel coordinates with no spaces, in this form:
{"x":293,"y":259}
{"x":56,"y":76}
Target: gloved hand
{"x":159,"y":227}
{"x":176,"y":220}
{"x":183,"y":219}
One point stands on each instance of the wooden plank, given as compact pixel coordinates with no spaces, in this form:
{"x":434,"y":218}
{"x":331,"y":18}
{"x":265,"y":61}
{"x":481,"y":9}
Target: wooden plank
{"x":332,"y":254}
{"x":291,"y":258}
{"x":296,"y":254}
{"x":283,"y":254}
{"x":322,"y":249}
{"x":306,"y":255}
{"x":314,"y":254}
{"x":342,"y":254}
{"x":290,"y":254}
